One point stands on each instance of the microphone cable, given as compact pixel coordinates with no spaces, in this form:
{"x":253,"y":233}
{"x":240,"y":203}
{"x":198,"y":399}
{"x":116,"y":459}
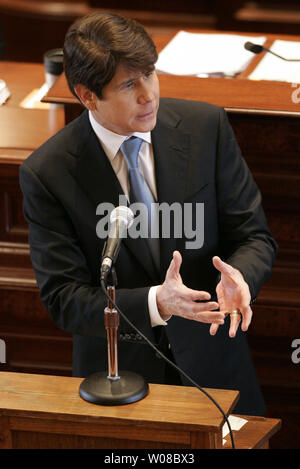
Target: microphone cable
{"x":103,"y":286}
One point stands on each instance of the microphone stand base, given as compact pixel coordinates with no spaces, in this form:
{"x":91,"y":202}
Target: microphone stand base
{"x":99,"y":389}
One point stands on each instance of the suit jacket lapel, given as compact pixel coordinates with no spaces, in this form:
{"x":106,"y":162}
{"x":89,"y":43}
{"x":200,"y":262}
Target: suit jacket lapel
{"x":171,"y":153}
{"x":97,"y":177}
{"x":94,"y":171}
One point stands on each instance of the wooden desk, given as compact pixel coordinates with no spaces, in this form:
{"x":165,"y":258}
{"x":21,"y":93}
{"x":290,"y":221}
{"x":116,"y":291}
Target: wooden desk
{"x":25,"y":129}
{"x":46,"y":412}
{"x":22,"y":131}
{"x":37,"y":409}
{"x":255,"y":434}
{"x":235,"y":95}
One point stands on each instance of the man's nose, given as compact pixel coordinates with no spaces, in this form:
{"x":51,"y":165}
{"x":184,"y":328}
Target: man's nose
{"x":146,"y":93}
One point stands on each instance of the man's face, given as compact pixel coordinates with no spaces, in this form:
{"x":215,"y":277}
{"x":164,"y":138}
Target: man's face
{"x":129,"y":102}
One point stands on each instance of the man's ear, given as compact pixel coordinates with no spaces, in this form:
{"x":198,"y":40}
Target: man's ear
{"x":87,"y":97}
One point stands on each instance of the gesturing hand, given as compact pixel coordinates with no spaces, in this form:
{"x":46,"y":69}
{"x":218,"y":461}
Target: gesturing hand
{"x":233,"y":294}
{"x":174,"y":298}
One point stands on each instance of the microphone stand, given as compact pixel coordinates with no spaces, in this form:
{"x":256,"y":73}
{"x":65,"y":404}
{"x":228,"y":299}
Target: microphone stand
{"x":111,"y":321}
{"x":111,"y":388}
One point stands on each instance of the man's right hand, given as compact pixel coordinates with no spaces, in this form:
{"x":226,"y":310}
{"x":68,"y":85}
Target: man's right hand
{"x":173,"y":298}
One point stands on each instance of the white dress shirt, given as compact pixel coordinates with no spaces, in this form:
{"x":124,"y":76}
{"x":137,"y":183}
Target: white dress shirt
{"x":111,"y":143}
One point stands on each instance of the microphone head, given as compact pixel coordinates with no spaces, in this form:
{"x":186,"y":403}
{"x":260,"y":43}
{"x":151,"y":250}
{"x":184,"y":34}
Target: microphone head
{"x":255,"y":48}
{"x":122,"y":213}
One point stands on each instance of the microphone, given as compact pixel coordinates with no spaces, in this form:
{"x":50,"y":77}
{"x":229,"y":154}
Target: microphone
{"x":257,"y":49}
{"x":121,"y":219}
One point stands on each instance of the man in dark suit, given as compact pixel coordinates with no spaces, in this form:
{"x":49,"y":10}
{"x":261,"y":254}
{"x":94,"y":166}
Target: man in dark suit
{"x":189,"y":157}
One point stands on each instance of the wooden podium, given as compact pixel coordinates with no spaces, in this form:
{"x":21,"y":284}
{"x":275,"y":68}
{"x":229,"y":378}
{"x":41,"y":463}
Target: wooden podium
{"x":40,"y":411}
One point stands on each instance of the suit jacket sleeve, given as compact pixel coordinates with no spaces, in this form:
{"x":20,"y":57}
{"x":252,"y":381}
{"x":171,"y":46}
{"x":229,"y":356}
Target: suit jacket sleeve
{"x":244,"y":234}
{"x":64,"y":279}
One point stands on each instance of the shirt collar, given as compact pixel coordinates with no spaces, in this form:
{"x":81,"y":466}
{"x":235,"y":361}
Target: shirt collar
{"x":111,"y":141}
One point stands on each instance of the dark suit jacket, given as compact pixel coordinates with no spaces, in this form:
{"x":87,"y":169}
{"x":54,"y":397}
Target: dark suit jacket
{"x":196,"y":160}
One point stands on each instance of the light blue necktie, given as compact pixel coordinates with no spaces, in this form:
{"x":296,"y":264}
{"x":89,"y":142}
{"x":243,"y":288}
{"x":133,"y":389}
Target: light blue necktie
{"x":139,"y":189}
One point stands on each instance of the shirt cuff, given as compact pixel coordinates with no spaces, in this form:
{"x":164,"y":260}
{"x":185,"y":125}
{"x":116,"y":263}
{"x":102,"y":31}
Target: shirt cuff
{"x":155,"y":317}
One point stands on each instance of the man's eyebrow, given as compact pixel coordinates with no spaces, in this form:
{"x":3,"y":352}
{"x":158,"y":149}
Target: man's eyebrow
{"x":133,"y":79}
{"x":126,"y":82}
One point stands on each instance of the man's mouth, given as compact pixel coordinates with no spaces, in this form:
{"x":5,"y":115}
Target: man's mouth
{"x":147,"y":115}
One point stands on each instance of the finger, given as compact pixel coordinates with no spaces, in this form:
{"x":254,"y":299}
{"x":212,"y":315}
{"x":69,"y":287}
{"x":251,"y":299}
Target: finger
{"x":222,"y":266}
{"x":205,"y":316}
{"x":177,"y":260}
{"x":174,"y":267}
{"x":234,"y":324}
{"x":213,"y":328}
{"x":209,"y":306}
{"x":247,"y":317}
{"x":210,"y":315}
{"x":198,"y":295}
{"x":205,"y":312}
{"x":185,"y":307}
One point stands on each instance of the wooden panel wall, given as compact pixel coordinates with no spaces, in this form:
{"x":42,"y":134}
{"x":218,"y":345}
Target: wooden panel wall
{"x":268,"y":16}
{"x":33,"y":343}
{"x":274,"y":161}
{"x":32,"y":27}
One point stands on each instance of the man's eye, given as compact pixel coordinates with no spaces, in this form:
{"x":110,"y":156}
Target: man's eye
{"x":148,"y":74}
{"x":129,"y":84}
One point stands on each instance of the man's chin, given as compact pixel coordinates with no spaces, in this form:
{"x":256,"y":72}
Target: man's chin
{"x":146,"y":125}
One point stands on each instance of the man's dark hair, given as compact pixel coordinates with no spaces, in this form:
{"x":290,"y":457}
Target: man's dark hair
{"x":97,"y":43}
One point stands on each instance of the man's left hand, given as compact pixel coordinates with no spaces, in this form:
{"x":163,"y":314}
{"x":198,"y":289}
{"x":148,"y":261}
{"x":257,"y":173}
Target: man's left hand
{"x":233,"y":294}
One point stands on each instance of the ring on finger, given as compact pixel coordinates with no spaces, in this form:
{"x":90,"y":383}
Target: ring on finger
{"x":235,"y":312}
